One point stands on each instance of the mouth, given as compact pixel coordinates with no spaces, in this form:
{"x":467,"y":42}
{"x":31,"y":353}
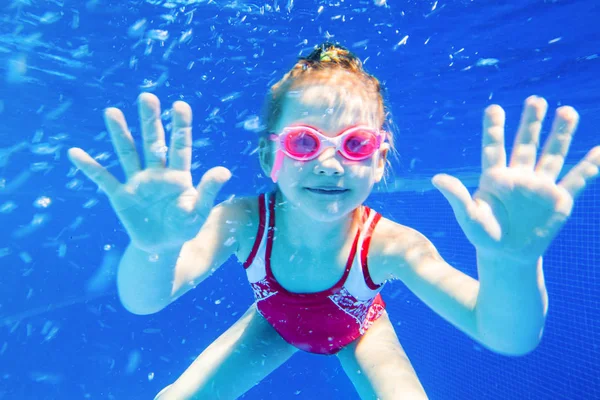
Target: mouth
{"x":327,"y":190}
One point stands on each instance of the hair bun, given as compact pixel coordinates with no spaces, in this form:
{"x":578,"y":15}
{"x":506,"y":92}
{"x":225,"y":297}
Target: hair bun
{"x":329,"y":52}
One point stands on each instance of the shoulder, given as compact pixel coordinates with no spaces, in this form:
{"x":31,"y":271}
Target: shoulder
{"x":393,"y":245}
{"x":240,"y":211}
{"x":243,"y":212}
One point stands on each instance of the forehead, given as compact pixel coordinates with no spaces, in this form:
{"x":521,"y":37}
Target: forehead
{"x":330,"y":104}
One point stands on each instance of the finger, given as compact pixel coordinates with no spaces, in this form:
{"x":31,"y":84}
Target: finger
{"x":493,"y":153}
{"x":180,"y":150}
{"x":209,"y":187}
{"x":122,"y":141}
{"x":94,"y":171}
{"x":528,"y":137}
{"x":456,"y":193}
{"x":582,"y":173}
{"x":557,"y":146}
{"x":152,"y":131}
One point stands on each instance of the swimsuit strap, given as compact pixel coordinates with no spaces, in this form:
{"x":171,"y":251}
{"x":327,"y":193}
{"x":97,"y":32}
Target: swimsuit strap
{"x":364,"y":251}
{"x":261,"y":231}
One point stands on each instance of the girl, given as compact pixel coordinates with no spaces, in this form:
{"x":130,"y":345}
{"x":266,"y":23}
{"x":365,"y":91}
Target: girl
{"x":315,"y":256}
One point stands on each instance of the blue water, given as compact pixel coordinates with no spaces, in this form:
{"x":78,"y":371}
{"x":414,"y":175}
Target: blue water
{"x":63,"y":332}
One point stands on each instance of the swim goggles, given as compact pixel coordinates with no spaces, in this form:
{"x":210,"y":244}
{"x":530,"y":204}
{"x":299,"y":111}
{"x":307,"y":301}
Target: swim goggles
{"x":305,"y":143}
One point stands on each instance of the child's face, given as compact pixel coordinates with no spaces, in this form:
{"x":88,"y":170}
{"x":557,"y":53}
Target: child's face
{"x":299,"y":180}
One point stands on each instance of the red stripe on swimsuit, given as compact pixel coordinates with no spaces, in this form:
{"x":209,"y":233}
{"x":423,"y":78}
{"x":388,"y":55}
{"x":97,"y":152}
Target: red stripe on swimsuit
{"x":322,"y":322}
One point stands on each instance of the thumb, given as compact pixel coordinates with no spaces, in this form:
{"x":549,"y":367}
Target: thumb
{"x":211,"y":183}
{"x":456,"y":193}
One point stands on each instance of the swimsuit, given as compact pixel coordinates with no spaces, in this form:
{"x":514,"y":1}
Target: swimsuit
{"x":322,"y":322}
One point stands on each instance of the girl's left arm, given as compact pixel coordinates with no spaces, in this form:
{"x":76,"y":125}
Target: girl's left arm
{"x":512,"y":303}
{"x":504,"y":310}
{"x":511,"y":220}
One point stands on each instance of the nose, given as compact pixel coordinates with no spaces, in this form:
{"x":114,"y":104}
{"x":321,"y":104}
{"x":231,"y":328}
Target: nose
{"x":329,"y":164}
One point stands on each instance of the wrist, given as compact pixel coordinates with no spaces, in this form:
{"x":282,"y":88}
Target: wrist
{"x":496,"y":268}
{"x":507,"y":258}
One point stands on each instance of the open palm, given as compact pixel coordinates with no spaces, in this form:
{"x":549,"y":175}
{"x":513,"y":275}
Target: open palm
{"x":159,"y":205}
{"x":519,"y":208}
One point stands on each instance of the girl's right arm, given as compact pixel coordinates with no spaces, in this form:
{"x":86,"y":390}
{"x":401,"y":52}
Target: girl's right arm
{"x":177,"y":237}
{"x":149,"y":282}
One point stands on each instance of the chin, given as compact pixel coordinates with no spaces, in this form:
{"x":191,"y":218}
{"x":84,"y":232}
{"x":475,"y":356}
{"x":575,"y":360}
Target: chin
{"x":326,"y":208}
{"x":333,"y":212}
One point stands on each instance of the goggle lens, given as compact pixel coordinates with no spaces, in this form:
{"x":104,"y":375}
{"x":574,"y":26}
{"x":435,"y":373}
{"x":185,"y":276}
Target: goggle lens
{"x":302,"y":144}
{"x":360,"y":144}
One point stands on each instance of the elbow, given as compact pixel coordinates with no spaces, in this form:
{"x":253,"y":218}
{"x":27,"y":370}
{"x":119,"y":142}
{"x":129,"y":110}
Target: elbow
{"x":139,"y":308}
{"x":517,"y":347}
{"x":514,"y":339}
{"x":514,"y":351}
{"x":137,"y":304}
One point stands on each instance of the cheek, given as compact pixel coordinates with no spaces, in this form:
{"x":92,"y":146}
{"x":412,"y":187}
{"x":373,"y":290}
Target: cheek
{"x":295,"y":167}
{"x":291,"y":171}
{"x":363,"y":170}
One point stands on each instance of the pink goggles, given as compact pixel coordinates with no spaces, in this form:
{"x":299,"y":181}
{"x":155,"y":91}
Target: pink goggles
{"x":305,"y":143}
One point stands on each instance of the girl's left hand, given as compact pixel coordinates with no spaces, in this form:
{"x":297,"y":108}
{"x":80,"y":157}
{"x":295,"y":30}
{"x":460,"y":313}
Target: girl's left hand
{"x":518,"y":209}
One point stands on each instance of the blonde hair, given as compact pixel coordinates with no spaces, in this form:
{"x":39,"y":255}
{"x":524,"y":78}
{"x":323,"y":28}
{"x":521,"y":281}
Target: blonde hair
{"x":321,"y":64}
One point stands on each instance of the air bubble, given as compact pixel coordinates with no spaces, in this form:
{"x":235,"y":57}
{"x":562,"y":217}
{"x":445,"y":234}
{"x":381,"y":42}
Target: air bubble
{"x":42,"y":202}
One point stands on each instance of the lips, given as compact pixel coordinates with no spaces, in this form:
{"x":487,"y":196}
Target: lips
{"x":327,"y":190}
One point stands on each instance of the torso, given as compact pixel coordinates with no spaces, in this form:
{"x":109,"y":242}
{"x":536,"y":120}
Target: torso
{"x":306,"y":272}
{"x":316,"y":318}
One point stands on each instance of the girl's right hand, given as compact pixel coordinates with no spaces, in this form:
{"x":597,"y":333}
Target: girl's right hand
{"x":159,"y":206}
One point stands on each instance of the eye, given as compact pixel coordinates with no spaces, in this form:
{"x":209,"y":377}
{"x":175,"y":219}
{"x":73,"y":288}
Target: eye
{"x":303,"y":142}
{"x":355,"y":143}
{"x":360,"y":144}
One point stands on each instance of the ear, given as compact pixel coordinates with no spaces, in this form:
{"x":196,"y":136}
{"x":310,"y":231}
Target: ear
{"x":381,"y":161}
{"x":265,"y":155}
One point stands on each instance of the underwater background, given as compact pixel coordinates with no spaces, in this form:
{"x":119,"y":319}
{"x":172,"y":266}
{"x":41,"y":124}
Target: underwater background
{"x":63,"y":331}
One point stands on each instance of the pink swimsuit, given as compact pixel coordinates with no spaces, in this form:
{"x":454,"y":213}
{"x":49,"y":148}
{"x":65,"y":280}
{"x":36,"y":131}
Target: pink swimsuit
{"x":322,"y":322}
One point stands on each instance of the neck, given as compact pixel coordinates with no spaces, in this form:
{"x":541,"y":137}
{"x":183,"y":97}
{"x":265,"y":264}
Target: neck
{"x":300,"y":230}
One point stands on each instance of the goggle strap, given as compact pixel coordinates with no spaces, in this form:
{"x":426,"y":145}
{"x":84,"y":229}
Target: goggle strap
{"x":277,"y":165}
